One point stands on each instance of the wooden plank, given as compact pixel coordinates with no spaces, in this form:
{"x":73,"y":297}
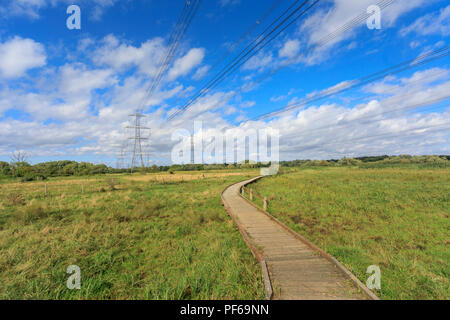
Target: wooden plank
{"x":266,"y":277}
{"x":292,"y":267}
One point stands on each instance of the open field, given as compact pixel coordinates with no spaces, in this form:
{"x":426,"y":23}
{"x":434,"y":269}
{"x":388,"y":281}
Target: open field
{"x":396,"y":218}
{"x":134,"y":237}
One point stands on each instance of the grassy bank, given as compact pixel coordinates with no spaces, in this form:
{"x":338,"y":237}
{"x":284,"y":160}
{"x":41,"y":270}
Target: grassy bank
{"x":149,"y":237}
{"x":397,"y":219}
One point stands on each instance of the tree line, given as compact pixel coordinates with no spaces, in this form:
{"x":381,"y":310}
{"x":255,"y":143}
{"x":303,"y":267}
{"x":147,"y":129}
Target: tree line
{"x":24,"y":171}
{"x":374,"y":161}
{"x":20,"y":168}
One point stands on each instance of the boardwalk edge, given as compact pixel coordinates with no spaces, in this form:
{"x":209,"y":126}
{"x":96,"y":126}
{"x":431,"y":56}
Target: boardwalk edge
{"x":255,"y":252}
{"x":369,"y":294}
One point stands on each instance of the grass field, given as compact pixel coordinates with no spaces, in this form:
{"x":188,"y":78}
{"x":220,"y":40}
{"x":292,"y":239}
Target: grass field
{"x":397,"y":219}
{"x":134,"y":237}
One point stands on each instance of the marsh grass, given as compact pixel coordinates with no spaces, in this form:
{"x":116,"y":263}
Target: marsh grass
{"x":396,"y":218}
{"x":145,"y":240}
{"x":15,"y":199}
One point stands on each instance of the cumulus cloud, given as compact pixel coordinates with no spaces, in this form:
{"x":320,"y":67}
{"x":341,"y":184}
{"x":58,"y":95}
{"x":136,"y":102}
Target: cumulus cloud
{"x":82,"y":109}
{"x":122,"y":56}
{"x":259,"y":62}
{"x":78,"y":79}
{"x":290,"y":49}
{"x":185,"y":64}
{"x":19,"y":55}
{"x":201,"y":73}
{"x":329,"y":130}
{"x":66,"y":95}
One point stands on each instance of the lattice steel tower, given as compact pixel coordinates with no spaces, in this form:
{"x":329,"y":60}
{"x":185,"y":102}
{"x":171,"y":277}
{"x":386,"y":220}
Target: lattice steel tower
{"x":138,"y":155}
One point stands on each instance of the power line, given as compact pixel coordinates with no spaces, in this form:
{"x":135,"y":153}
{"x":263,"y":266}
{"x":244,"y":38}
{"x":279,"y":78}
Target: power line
{"x":394,"y":88}
{"x":258,"y":22}
{"x":442,"y":52}
{"x":410,"y":106}
{"x":243,"y":56}
{"x":247,"y":33}
{"x":248,"y":53}
{"x":383,"y":4}
{"x":178,"y":33}
{"x":185,"y":19}
{"x":422,"y":59}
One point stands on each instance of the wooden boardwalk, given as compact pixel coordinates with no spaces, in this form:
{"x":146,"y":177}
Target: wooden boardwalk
{"x":297,"y":269}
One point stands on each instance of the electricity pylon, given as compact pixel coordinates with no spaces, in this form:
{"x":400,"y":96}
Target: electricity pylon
{"x":121,"y":158}
{"x":138,"y":155}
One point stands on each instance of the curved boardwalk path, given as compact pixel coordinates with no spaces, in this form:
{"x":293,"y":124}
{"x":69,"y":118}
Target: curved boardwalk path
{"x":296,"y":270}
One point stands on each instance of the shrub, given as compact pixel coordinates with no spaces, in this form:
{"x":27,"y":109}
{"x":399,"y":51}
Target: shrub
{"x":32,"y":177}
{"x":349,"y":162}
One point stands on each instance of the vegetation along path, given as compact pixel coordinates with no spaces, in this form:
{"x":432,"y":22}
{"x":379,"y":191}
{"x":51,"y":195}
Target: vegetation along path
{"x":296,"y":268}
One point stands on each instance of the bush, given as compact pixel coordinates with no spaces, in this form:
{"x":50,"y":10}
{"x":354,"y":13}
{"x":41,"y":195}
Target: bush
{"x":349,"y":162}
{"x":32,"y":177}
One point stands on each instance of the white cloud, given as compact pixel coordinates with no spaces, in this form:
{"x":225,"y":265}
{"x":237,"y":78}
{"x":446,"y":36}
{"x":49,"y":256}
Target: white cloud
{"x":77,"y":79}
{"x":327,"y":20}
{"x":19,"y":55}
{"x":122,"y":56}
{"x":29,"y":8}
{"x":259,"y":62}
{"x":97,"y":117}
{"x":67,"y":95}
{"x":290,"y":49}
{"x":432,"y":23}
{"x":201,"y":73}
{"x":322,"y":131}
{"x":32,"y":8}
{"x":184,"y":65}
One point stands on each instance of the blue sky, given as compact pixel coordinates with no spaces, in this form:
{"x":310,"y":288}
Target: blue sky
{"x":67,"y":94}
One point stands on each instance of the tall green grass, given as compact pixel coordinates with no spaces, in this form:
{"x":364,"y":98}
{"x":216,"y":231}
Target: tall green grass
{"x":145,"y":240}
{"x":397,"y":219}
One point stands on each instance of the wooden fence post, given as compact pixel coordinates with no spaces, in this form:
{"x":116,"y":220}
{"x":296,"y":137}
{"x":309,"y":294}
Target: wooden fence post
{"x":46,"y":190}
{"x":265,"y":204}
{"x":251,"y":194}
